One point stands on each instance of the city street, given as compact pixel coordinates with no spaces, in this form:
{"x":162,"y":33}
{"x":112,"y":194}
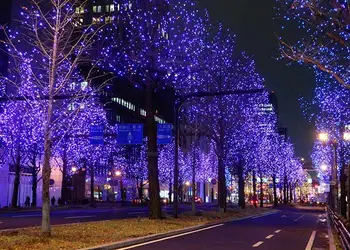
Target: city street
{"x":289,"y":229}
{"x":14,"y":220}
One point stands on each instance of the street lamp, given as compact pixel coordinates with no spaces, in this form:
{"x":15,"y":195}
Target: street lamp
{"x":74,"y":170}
{"x":118,"y":173}
{"x":323,"y":137}
{"x":323,"y":167}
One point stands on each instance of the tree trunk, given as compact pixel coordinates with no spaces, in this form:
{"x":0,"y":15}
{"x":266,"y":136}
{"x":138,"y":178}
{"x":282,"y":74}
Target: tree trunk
{"x":291,"y":193}
{"x":92,"y":186}
{"x":275,"y":201}
{"x":261,"y":192}
{"x":194,"y":181}
{"x":170,"y":191}
{"x":154,"y":207}
{"x":34,"y":186}
{"x":17,"y":180}
{"x":64,"y":189}
{"x":46,"y":172}
{"x":285,"y":190}
{"x":221,"y":170}
{"x":254,"y":189}
{"x":241,"y":198}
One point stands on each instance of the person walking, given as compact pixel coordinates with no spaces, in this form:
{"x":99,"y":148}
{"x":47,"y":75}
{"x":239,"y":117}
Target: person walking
{"x":53,"y":200}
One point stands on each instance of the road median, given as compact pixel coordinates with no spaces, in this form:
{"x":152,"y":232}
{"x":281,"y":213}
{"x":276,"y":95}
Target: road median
{"x":118,"y":233}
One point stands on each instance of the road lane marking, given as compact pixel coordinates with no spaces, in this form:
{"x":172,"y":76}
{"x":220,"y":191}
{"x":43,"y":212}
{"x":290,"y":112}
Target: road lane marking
{"x":137,"y":213}
{"x":269,"y":236}
{"x":278,"y":231}
{"x":283,"y":216}
{"x":311,"y":241}
{"x":170,"y":237}
{"x":27,"y":215}
{"x":80,"y":217}
{"x":299,"y":218}
{"x":258,"y":244}
{"x":259,"y":216}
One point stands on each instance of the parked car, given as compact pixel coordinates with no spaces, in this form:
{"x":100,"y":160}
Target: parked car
{"x":198,"y":199}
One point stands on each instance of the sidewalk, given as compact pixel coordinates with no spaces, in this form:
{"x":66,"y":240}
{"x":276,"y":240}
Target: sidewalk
{"x":62,"y":208}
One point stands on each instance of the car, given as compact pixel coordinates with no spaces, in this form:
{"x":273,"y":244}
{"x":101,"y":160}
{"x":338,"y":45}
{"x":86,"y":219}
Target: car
{"x":198,"y":199}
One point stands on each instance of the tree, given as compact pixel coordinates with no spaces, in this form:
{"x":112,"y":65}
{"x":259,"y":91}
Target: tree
{"x":325,"y":45}
{"x":153,"y":44}
{"x":57,"y":44}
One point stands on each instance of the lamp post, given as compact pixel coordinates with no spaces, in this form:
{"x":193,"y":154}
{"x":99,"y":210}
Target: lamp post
{"x":118,"y":174}
{"x":333,"y":199}
{"x":178,"y":104}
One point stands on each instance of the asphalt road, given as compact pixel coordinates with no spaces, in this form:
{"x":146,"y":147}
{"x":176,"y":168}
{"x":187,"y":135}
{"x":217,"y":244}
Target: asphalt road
{"x":288,"y":229}
{"x":13,"y":220}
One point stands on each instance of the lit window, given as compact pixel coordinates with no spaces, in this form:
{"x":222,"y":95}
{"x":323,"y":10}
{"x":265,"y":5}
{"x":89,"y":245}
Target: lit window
{"x":107,"y":8}
{"x":108,"y":19}
{"x":99,"y":9}
{"x":111,"y":8}
{"x":143,"y":112}
{"x":118,"y":118}
{"x":94,"y":9}
{"x":118,"y":6}
{"x":77,"y":10}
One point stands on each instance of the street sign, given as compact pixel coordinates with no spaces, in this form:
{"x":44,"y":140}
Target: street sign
{"x":164,"y":133}
{"x":96,"y":134}
{"x":129,"y":134}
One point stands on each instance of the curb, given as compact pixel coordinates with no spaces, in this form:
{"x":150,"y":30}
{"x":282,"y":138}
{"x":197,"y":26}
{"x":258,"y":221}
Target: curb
{"x":144,"y":239}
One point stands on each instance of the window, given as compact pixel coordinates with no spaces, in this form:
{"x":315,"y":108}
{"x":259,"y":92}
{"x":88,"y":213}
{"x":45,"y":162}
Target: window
{"x":107,"y":8}
{"x":118,"y":118}
{"x":99,"y":9}
{"x":79,"y":10}
{"x":143,"y":112}
{"x":94,"y":9}
{"x":111,"y":8}
{"x":108,"y":19}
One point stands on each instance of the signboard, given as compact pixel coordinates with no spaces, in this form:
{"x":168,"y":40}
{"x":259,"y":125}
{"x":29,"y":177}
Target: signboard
{"x":96,"y":134}
{"x":164,"y":133}
{"x":129,"y":134}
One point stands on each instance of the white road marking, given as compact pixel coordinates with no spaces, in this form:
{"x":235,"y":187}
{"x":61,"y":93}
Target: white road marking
{"x":80,"y":217}
{"x":26,"y":215}
{"x":278,"y":231}
{"x":259,"y":216}
{"x":0,"y":222}
{"x":299,"y":218}
{"x":311,"y":241}
{"x":258,"y":244}
{"x":170,"y":237}
{"x":269,"y":236}
{"x":283,"y":216}
{"x":137,"y":213}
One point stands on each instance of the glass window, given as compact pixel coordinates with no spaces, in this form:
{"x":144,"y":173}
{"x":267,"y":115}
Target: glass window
{"x":111,"y":7}
{"x":107,"y":8}
{"x":99,"y":9}
{"x":94,"y":9}
{"x":77,"y":10}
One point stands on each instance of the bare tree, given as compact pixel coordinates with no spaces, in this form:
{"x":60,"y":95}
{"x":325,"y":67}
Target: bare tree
{"x":325,"y":45}
{"x":57,"y":44}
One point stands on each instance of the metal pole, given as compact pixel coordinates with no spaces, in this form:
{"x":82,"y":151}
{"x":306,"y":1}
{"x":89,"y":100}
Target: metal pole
{"x":335,"y":178}
{"x":176,"y":167}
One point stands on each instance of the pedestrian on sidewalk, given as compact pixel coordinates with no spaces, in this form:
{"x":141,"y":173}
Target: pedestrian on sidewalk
{"x":53,"y":200}
{"x":27,"y":202}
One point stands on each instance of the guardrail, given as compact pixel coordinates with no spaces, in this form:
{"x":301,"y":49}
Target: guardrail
{"x":343,"y":233}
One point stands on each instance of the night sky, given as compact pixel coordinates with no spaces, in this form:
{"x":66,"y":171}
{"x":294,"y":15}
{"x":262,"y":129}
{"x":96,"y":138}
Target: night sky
{"x":253,"y":23}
